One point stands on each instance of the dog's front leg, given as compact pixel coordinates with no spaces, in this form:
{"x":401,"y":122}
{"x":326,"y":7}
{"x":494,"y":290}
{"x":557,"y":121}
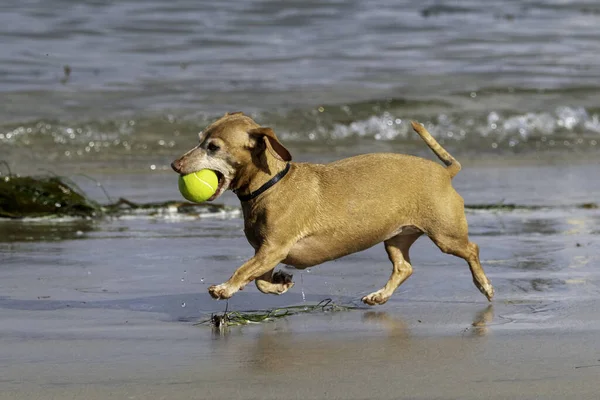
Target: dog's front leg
{"x":263,"y":262}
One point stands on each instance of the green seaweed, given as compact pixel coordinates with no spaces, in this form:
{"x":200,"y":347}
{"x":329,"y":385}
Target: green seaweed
{"x":27,"y":196}
{"x":501,"y":207}
{"x":237,"y":318}
{"x":526,"y":207}
{"x":124,"y":206}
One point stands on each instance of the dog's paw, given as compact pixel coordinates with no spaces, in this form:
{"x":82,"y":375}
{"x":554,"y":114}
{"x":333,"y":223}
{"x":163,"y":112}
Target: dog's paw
{"x":221,"y":292}
{"x":280,"y":283}
{"x":485,"y":288}
{"x":283,"y":278}
{"x":375,"y":298}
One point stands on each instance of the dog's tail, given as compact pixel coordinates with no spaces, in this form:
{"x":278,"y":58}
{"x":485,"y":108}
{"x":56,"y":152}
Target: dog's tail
{"x":453,"y":165}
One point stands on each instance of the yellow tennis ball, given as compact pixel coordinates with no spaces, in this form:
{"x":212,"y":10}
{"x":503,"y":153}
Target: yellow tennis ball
{"x":198,"y":186}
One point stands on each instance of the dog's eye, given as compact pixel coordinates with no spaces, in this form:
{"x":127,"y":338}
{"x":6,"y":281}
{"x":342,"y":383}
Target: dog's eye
{"x":213,"y":147}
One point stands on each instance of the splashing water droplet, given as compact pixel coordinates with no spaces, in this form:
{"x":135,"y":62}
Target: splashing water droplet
{"x":202,"y":280}
{"x":182,"y":279}
{"x":183,"y":304}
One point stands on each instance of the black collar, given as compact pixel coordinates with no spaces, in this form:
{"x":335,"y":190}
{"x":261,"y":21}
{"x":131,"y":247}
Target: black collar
{"x":265,"y":187}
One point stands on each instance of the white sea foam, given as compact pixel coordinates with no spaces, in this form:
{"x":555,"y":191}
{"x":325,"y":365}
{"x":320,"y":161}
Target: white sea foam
{"x":563,"y":123}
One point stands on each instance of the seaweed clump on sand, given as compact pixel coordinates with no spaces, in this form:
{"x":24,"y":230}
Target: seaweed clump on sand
{"x":54,"y":197}
{"x":37,"y":197}
{"x":127,"y":207}
{"x":237,"y":318}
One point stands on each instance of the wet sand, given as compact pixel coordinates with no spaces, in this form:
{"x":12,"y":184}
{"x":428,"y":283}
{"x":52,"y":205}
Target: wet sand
{"x":106,"y":309}
{"x":100,"y":354}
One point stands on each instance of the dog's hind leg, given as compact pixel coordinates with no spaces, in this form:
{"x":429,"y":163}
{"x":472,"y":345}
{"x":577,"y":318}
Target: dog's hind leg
{"x":397,"y":250}
{"x":469,"y":251}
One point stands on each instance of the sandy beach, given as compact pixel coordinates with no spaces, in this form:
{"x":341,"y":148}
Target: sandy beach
{"x":357,"y":356}
{"x":413,"y":350}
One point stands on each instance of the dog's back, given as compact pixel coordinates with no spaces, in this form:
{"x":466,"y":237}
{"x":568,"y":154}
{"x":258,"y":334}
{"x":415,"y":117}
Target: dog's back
{"x":380,"y":186}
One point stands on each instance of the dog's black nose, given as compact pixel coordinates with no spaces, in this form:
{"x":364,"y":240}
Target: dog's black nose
{"x":176,"y":165}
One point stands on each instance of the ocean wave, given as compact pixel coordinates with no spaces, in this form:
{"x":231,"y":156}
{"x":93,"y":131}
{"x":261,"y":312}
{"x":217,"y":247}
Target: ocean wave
{"x":573,"y":124}
{"x":386,"y":122}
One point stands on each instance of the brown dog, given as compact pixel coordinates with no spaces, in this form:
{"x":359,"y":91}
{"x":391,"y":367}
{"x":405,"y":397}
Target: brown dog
{"x":304,"y":214}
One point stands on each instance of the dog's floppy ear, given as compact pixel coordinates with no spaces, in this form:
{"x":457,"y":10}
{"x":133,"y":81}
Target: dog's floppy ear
{"x":272,"y":143}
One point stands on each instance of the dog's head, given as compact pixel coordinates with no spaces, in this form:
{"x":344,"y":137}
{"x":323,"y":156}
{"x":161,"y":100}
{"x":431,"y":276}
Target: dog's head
{"x":236,"y":148}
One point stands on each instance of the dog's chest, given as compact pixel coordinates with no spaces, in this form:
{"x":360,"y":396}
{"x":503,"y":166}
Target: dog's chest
{"x":253,"y":235}
{"x":254,"y":228}
{"x":253,"y":239}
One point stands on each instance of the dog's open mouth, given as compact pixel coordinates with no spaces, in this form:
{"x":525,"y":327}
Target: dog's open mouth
{"x":221,"y":187}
